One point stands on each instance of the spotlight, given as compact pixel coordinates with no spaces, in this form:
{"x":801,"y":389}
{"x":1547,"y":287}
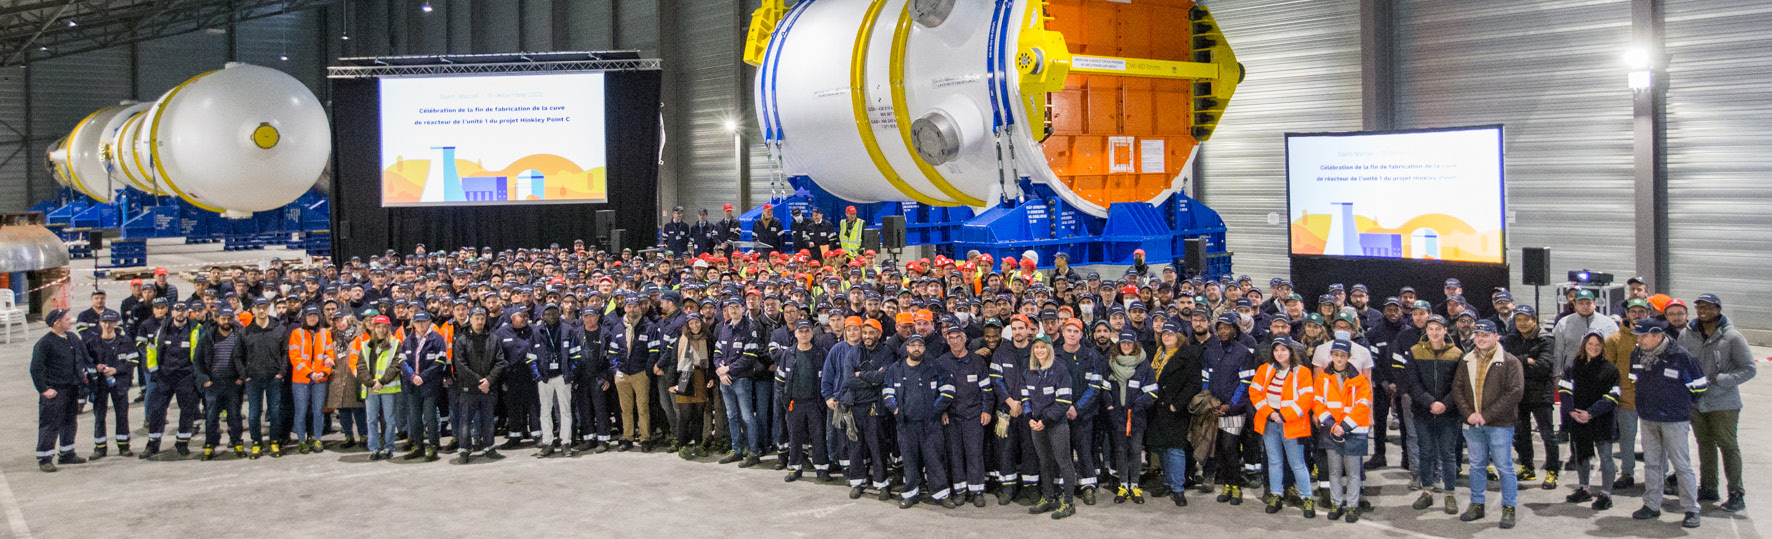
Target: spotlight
{"x":1590,"y":278}
{"x":731,"y":126}
{"x":72,"y":24}
{"x":1637,"y":58}
{"x":425,"y":8}
{"x":1640,"y":80}
{"x":283,"y":58}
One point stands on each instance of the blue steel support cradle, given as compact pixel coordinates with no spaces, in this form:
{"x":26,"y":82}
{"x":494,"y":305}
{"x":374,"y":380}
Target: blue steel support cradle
{"x":1041,"y":222}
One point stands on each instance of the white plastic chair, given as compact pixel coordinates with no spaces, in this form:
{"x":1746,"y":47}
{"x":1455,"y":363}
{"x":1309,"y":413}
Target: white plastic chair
{"x":11,"y":314}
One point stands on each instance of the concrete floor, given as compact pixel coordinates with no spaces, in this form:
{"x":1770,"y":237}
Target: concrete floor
{"x":633,"y":494}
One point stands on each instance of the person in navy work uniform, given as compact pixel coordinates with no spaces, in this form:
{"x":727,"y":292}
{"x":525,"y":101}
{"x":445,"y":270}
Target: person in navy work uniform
{"x":968,"y":415}
{"x":674,"y":236}
{"x":703,"y":233}
{"x":918,"y":393}
{"x":797,"y":373}
{"x":1047,"y":398}
{"x":114,"y":358}
{"x":422,"y":361}
{"x":1668,"y":381}
{"x":58,"y":367}
{"x":169,"y":360}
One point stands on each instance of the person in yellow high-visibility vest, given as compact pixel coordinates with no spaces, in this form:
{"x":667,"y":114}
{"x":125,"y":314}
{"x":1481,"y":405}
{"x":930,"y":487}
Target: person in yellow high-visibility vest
{"x":849,"y":232}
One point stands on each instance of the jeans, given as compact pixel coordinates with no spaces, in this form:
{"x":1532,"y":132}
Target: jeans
{"x":1492,"y":446}
{"x":263,"y":394}
{"x":1411,"y":435}
{"x":763,"y":414}
{"x":1175,"y":468}
{"x":1584,"y":466}
{"x":1664,"y":446}
{"x":741,"y":417}
{"x":1438,"y":449}
{"x":1344,"y":479}
{"x":1546,"y":433}
{"x":1716,"y":434}
{"x":1627,"y":442}
{"x":1282,"y":451}
{"x":421,"y":418}
{"x":383,"y":409}
{"x":310,"y":400}
{"x":221,"y":396}
{"x":476,"y":420}
{"x":349,"y":417}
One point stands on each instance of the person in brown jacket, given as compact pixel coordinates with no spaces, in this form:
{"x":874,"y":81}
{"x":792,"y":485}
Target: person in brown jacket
{"x":1618,"y":351}
{"x":344,"y":394}
{"x":1487,"y":389}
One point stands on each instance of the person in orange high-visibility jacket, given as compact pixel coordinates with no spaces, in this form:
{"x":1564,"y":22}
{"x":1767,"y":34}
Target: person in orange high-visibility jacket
{"x":1284,"y":394}
{"x":1344,"y":416}
{"x":310,"y":360}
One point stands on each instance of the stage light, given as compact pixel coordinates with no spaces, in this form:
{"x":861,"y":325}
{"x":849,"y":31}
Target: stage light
{"x":731,"y":126}
{"x":72,"y":24}
{"x":1637,"y":58}
{"x":425,"y":8}
{"x":283,"y":58}
{"x":1590,"y":278}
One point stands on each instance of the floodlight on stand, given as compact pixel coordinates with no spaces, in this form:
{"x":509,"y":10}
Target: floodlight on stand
{"x":1637,"y":58}
{"x":1640,"y":80}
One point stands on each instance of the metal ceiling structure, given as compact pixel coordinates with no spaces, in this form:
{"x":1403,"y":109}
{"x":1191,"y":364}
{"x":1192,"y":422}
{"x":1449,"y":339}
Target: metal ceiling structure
{"x":33,"y":30}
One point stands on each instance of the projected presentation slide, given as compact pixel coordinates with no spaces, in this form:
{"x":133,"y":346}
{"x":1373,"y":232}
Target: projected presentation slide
{"x":493,"y":139}
{"x":1436,"y":195}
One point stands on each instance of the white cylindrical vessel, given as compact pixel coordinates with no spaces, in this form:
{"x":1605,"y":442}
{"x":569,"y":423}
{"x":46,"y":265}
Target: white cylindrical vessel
{"x":237,"y":140}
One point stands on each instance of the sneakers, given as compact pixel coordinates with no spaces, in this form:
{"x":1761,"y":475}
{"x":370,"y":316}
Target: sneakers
{"x":1624,"y":482}
{"x":277,"y":450}
{"x":1602,"y":503}
{"x":1138,"y":495}
{"x":491,"y":454}
{"x":1273,"y":504}
{"x":1088,"y":496}
{"x":239,"y":451}
{"x":1067,"y":509}
{"x":1425,"y":501}
{"x":1580,"y":495}
{"x":1236,"y":495}
{"x":1353,"y":515}
{"x":1451,"y":504}
{"x":208,"y":452}
{"x":1310,"y":508}
{"x":1120,"y":495}
{"x":1737,"y":502}
{"x":1526,"y":473}
{"x":1474,"y":512}
{"x":1507,"y":517}
{"x":749,"y":461}
{"x":1335,"y":512}
{"x":546,"y":451}
{"x":318,"y":447}
{"x":1550,"y":480}
{"x":257,"y":450}
{"x":1046,"y":505}
{"x":302,"y":447}
{"x":430,"y":454}
{"x":1646,"y":513}
{"x":1691,"y":520}
{"x":350,"y":442}
{"x":1224,"y":494}
{"x":415,"y":453}
{"x":731,"y":458}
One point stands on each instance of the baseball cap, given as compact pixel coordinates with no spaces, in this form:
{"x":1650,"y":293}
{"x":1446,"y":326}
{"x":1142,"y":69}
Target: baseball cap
{"x":1344,"y":347}
{"x":1636,"y":302}
{"x":1486,"y":326}
{"x":109,"y":316}
{"x":1649,"y":325}
{"x":1584,"y":294}
{"x":1529,"y":310}
{"x":1709,"y":298}
{"x":421,"y":316}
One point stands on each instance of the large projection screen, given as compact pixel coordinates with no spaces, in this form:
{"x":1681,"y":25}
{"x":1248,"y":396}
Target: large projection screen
{"x":493,"y":139}
{"x":1424,"y":195}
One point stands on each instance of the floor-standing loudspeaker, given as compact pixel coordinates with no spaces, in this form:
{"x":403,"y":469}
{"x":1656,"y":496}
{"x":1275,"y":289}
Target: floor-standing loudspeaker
{"x":892,"y":232}
{"x":603,"y":223}
{"x":618,"y":239}
{"x":1537,"y":262}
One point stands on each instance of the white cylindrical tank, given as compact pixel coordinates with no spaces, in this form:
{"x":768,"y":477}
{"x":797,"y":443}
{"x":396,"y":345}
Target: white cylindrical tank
{"x":237,"y":140}
{"x":81,"y":161}
{"x":950,"y":102}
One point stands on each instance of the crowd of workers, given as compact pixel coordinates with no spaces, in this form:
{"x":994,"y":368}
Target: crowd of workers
{"x":947,"y":381}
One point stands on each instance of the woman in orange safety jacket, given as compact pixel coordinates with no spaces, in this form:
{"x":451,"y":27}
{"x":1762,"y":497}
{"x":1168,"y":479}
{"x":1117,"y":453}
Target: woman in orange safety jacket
{"x":310,"y":360}
{"x":1284,"y":394}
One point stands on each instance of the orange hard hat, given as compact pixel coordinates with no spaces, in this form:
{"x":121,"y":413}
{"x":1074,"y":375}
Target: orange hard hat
{"x":904,"y":318}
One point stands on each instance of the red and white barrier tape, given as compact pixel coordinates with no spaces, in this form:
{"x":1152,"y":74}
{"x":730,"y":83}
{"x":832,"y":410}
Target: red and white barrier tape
{"x":48,"y":284}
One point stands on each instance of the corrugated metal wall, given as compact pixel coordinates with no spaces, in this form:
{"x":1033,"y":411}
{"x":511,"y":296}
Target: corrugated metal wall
{"x":63,"y":92}
{"x":1303,"y":63}
{"x":1719,"y":133}
{"x":1551,"y":72}
{"x":14,"y":153}
{"x":708,"y":94}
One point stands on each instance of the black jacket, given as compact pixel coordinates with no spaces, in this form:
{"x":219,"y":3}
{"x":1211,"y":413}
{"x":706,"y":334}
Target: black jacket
{"x":1177,"y":384}
{"x":1540,"y":371}
{"x":58,"y":362}
{"x":262,"y":353}
{"x":473,"y":365}
{"x":1590,"y":385}
{"x":204,"y":359}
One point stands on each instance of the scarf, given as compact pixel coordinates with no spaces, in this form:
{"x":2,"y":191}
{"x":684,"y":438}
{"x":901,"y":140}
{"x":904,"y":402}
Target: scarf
{"x":1161,"y":359}
{"x":691,"y":352}
{"x":1479,"y":371}
{"x":1124,"y":367}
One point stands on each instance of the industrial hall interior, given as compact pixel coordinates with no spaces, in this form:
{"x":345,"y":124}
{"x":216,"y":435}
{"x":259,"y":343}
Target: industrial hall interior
{"x":872,"y":268}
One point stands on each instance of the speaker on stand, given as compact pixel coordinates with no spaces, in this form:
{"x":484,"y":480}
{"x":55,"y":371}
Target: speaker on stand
{"x":892,"y":234}
{"x":1536,"y":271}
{"x":1195,"y":257}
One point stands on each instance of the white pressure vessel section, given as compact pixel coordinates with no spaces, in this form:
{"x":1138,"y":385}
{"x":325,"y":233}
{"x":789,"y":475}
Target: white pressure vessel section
{"x":946,"y":75}
{"x":84,"y":157}
{"x":111,"y":147}
{"x":238,"y":140}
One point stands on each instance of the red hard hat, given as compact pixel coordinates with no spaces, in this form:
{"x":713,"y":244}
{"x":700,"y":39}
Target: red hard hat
{"x":850,"y":209}
{"x":727,"y":207}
